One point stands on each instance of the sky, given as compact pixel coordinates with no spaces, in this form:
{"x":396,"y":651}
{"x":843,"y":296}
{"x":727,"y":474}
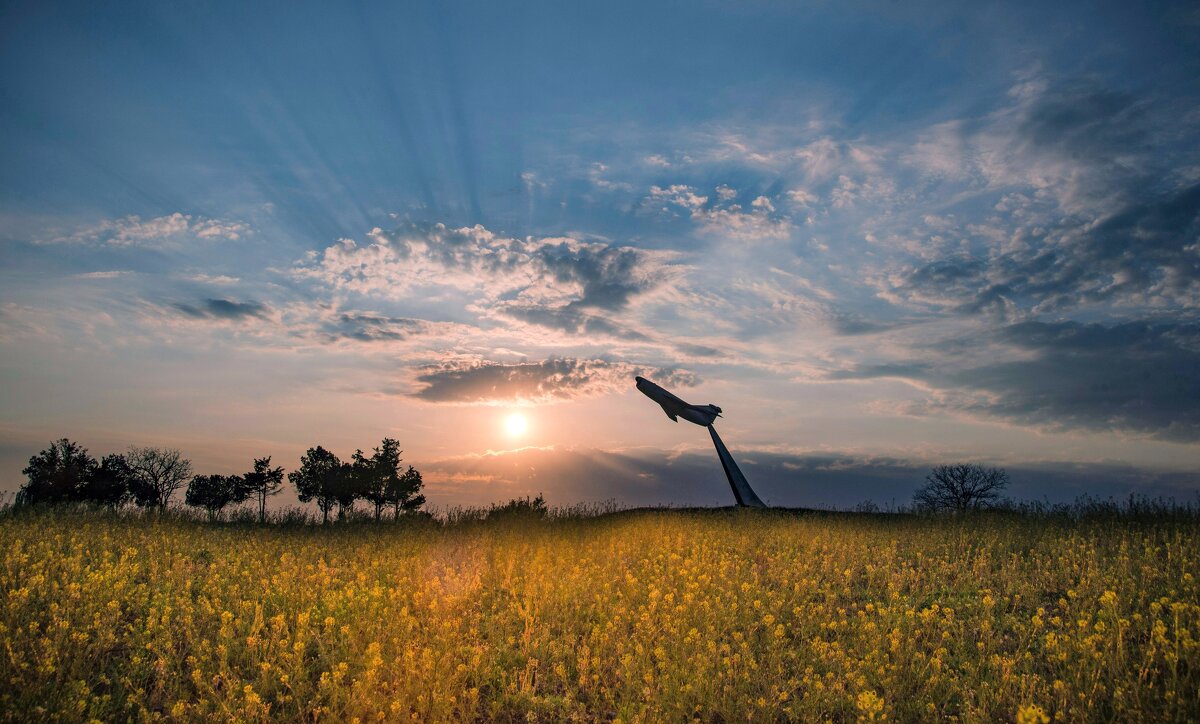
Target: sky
{"x":881,"y":236}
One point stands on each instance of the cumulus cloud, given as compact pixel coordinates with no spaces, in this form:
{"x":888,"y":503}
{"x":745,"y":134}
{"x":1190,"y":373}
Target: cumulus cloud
{"x":724,"y":216}
{"x":552,"y":380}
{"x":159,"y":232}
{"x":597,"y":175}
{"x":801,"y":197}
{"x":558,"y":282}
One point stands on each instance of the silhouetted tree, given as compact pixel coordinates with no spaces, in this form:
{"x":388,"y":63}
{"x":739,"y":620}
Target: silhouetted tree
{"x":373,"y":475}
{"x":318,"y":479}
{"x":110,"y":484}
{"x":56,"y":474}
{"x":350,"y":483}
{"x":157,"y":474}
{"x":384,"y":484}
{"x":214,"y":492}
{"x":404,"y":492}
{"x":263,"y":482}
{"x":960,"y":487}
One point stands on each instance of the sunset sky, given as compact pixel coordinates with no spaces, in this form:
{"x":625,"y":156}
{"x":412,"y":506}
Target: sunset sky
{"x":879,"y":235}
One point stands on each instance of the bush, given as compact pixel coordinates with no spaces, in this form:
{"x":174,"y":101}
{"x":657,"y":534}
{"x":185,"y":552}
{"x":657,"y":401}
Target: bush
{"x":520,"y":508}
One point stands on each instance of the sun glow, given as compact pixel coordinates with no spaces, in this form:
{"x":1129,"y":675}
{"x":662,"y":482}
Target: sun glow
{"x":516,"y":424}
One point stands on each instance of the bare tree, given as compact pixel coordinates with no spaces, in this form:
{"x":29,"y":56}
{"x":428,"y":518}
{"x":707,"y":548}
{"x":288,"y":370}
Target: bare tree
{"x":158,"y":473}
{"x":960,"y":487}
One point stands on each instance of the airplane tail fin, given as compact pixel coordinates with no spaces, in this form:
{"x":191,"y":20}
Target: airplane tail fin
{"x":710,"y":412}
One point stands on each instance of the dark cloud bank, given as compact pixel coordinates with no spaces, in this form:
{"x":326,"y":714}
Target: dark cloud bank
{"x":1139,"y":377}
{"x":649,"y":477}
{"x":1096,"y":286}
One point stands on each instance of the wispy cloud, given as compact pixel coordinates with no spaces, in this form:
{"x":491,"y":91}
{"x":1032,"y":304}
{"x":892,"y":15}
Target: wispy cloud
{"x":171,"y":230}
{"x":226,"y":309}
{"x":378,"y":328}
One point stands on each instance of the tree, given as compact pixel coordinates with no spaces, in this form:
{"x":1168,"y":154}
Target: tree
{"x":383,"y":482}
{"x":350,"y":482}
{"x":374,"y":477}
{"x":214,"y":492}
{"x":110,"y":483}
{"x":404,"y":492}
{"x":318,"y":479}
{"x":262,"y":482}
{"x":56,"y":474}
{"x":960,"y":487}
{"x":157,"y":474}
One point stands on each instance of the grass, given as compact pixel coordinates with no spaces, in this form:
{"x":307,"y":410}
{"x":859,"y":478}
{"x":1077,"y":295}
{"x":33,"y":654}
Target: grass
{"x":636,"y":615}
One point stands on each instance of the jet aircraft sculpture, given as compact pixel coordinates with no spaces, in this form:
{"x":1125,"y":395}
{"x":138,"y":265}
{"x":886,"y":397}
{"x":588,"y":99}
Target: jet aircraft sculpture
{"x":705,"y":416}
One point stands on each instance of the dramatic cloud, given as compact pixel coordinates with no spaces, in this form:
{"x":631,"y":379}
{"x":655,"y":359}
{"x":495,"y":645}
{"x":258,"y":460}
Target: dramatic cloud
{"x":535,"y":382}
{"x":1146,"y":253}
{"x":1136,"y":377}
{"x":1090,"y":207}
{"x":557,"y":282}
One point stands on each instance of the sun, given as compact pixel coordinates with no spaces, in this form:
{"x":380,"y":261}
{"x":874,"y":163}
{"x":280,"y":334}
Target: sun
{"x":516,"y":424}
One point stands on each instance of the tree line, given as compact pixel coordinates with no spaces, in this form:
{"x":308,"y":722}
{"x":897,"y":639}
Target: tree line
{"x":150,"y":477}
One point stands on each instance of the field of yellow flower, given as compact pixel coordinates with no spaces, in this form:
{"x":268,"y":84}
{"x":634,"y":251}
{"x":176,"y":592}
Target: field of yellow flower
{"x":644,"y":615}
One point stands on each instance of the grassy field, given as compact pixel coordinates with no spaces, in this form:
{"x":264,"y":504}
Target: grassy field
{"x":644,"y":615}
